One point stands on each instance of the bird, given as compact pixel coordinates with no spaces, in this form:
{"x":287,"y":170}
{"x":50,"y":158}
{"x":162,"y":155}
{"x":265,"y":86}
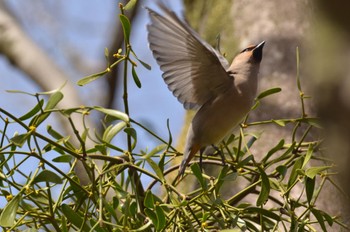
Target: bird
{"x":203,"y":80}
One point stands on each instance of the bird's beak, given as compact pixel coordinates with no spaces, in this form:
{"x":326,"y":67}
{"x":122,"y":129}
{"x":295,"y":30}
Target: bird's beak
{"x":258,"y":51}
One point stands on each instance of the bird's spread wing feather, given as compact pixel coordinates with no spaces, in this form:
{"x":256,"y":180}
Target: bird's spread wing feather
{"x":193,"y":70}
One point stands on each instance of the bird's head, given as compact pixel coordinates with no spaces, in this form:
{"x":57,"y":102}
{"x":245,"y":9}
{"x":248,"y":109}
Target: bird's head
{"x":249,"y":58}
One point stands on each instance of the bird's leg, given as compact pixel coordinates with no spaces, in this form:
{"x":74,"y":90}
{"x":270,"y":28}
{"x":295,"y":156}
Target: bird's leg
{"x":220,"y":153}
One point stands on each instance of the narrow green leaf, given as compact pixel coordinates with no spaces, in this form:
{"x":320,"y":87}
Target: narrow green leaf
{"x":265,"y":188}
{"x":319,"y":218}
{"x":149,"y":200}
{"x":19,"y":140}
{"x":282,"y":170}
{"x":93,"y":77}
{"x":156,"y":150}
{"x":112,"y":131}
{"x":280,"y":122}
{"x":135,"y":77}
{"x":268,"y":92}
{"x":328,"y":218}
{"x":308,"y":155}
{"x":196,"y":170}
{"x":160,"y":218}
{"x":156,"y":169}
{"x":113,"y":113}
{"x":286,"y":153}
{"x":54,"y":100}
{"x":221,"y":178}
{"x":63,"y":159}
{"x":64,"y":226}
{"x":132,"y":132}
{"x":313,"y":122}
{"x":115,"y":202}
{"x":74,"y":218}
{"x":298,"y":69}
{"x":107,"y":55}
{"x":33,"y":111}
{"x":147,"y":66}
{"x":53,"y":132}
{"x":8,"y":214}
{"x":310,"y":187}
{"x":144,"y":64}
{"x":264,"y":212}
{"x":245,"y":161}
{"x":152,"y":216}
{"x":109,"y":207}
{"x":294,"y":174}
{"x":278,"y":147}
{"x":47,"y":176}
{"x":313,"y":171}
{"x":21,"y":92}
{"x":50,"y":92}
{"x":130,"y":4}
{"x":126,"y":27}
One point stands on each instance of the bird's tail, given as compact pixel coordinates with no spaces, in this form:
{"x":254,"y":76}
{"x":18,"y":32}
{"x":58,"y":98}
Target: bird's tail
{"x":188,"y":156}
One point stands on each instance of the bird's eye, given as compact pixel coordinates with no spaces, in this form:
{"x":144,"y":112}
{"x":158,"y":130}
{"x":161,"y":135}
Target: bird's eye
{"x":247,"y":49}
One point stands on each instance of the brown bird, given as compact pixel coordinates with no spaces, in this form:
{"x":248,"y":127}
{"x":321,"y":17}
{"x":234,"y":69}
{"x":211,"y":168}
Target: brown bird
{"x":201,"y":78}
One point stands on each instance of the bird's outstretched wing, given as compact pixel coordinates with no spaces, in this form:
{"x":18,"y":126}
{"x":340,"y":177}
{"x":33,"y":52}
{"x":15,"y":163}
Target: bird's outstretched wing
{"x":193,"y":70}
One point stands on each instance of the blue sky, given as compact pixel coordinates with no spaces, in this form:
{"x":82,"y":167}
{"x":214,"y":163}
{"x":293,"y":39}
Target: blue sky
{"x":84,"y":27}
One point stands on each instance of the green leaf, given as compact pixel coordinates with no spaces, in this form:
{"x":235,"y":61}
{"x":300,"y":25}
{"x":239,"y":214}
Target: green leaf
{"x":113,"y":113}
{"x":112,"y":131}
{"x":280,"y":122}
{"x":53,"y":132}
{"x":33,"y":111}
{"x":144,"y":64}
{"x":19,"y":140}
{"x":313,"y":122}
{"x":278,"y":147}
{"x":126,"y":27}
{"x":160,"y":218}
{"x":282,"y":170}
{"x":54,"y":100}
{"x":156,"y":150}
{"x":298,"y":69}
{"x":152,"y":216}
{"x":310,"y":187}
{"x":221,"y":178}
{"x":132,"y":132}
{"x":156,"y":169}
{"x":47,"y":176}
{"x":294,"y":174}
{"x":107,"y":55}
{"x":109,"y":208}
{"x":149,"y":200}
{"x":245,"y":161}
{"x":88,"y":79}
{"x":308,"y":155}
{"x":319,"y":218}
{"x":63,"y":159}
{"x":265,"y":188}
{"x":313,"y":171}
{"x":74,"y":218}
{"x":130,"y":5}
{"x":264,"y":212}
{"x":21,"y":92}
{"x":8,"y":214}
{"x":147,"y":66}
{"x":268,"y":92}
{"x":197,"y":172}
{"x":135,"y":77}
